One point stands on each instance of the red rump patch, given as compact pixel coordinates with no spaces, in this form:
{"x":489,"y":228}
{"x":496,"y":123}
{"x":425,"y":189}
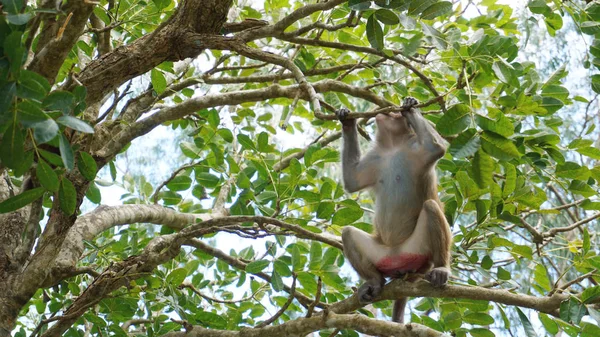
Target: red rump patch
{"x":405,"y":262}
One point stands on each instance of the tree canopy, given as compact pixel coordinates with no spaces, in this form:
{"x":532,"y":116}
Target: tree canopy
{"x":241,"y":235}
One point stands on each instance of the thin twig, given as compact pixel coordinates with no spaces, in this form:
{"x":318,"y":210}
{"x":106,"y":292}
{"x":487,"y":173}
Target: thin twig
{"x":312,"y":306}
{"x":283,"y":308}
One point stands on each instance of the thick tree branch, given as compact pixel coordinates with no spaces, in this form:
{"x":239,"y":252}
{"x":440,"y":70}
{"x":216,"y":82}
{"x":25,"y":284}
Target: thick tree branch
{"x":49,"y":59}
{"x":279,"y":27}
{"x":230,"y":98}
{"x":145,"y":53}
{"x":304,"y":326}
{"x":421,"y":288}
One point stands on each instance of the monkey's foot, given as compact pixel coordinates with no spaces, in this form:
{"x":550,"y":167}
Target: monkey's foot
{"x":438,"y":276}
{"x":342,"y":115}
{"x":409,"y":102}
{"x":369,"y":290}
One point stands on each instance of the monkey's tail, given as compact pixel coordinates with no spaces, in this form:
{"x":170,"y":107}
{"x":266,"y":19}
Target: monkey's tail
{"x":398,"y":311}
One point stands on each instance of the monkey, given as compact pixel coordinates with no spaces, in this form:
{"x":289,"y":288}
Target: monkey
{"x":411,"y":233}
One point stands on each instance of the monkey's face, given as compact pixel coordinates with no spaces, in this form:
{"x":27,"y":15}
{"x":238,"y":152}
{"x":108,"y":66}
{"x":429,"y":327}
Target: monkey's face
{"x":392,"y":129}
{"x":394,"y":124}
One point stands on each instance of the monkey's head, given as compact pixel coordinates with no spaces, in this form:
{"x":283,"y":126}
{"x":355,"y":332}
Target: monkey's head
{"x":392,"y":129}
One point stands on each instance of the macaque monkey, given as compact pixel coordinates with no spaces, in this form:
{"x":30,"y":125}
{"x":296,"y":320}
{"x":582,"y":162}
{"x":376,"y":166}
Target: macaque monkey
{"x":411,"y":232}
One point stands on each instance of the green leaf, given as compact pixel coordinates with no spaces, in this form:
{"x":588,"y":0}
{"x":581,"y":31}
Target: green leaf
{"x":374,"y":33}
{"x":502,"y":125}
{"x":226,"y":134}
{"x":590,"y":329}
{"x":590,"y":294}
{"x":66,"y":152}
{"x":527,"y":327}
{"x":548,"y":323}
{"x":276,"y":281}
{"x":257,"y":266}
{"x":417,"y":7}
{"x":93,"y":194}
{"x":87,"y":165}
{"x":551,"y":104}
{"x":67,"y":196}
{"x":596,"y":83}
{"x":25,"y":164}
{"x":572,"y":170}
{"x":436,"y":10}
{"x":455,"y":120}
{"x":13,"y":6}
{"x":325,"y":210}
{"x":581,"y":188}
{"x":437,"y":38}
{"x":498,"y":146}
{"x":592,"y":152}
{"x":478,"y":318}
{"x":45,"y":131}
{"x":59,"y":100}
{"x":359,"y":5}
{"x":481,"y":332}
{"x":263,"y":142}
{"x":505,"y":72}
{"x":387,"y":17}
{"x":177,"y":276}
{"x":539,"y":7}
{"x":510,"y":182}
{"x":21,"y":200}
{"x":180,"y":183}
{"x":207,"y":180}
{"x":246,"y":142}
{"x":159,"y":83}
{"x":75,"y":124}
{"x":346,"y":215}
{"x":296,"y":258}
{"x":483,"y":169}
{"x":282,"y":268}
{"x":7,"y":94}
{"x":316,"y":255}
{"x":161,"y":4}
{"x":46,"y":176}
{"x":572,"y":310}
{"x":18,"y":19}
{"x":540,"y":276}
{"x":465,"y":144}
{"x":30,"y":112}
{"x":590,"y":27}
{"x":504,"y":274}
{"x":12,"y":147}
{"x":32,"y":85}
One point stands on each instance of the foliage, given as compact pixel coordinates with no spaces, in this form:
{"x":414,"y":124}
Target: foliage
{"x":519,"y":181}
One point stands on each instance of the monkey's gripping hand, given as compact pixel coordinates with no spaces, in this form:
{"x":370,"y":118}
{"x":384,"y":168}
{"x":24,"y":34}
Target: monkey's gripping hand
{"x":342,"y":115}
{"x":438,"y":277}
{"x":409,"y":102}
{"x":369,"y":290}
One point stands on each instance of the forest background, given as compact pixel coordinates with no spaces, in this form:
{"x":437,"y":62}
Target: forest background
{"x":171,"y":167}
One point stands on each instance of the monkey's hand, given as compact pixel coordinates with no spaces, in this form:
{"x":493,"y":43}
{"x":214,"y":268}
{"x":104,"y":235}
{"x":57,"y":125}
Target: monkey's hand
{"x":369,"y":290}
{"x":342,"y":115}
{"x":438,"y":277}
{"x":409,"y":102}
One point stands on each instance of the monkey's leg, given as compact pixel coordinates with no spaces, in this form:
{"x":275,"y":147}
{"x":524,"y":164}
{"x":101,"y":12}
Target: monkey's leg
{"x":363,"y":250}
{"x":432,"y":230}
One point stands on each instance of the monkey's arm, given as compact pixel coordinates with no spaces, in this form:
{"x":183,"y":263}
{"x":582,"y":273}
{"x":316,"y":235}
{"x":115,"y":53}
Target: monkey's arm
{"x":358,"y":173}
{"x":428,"y":137}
